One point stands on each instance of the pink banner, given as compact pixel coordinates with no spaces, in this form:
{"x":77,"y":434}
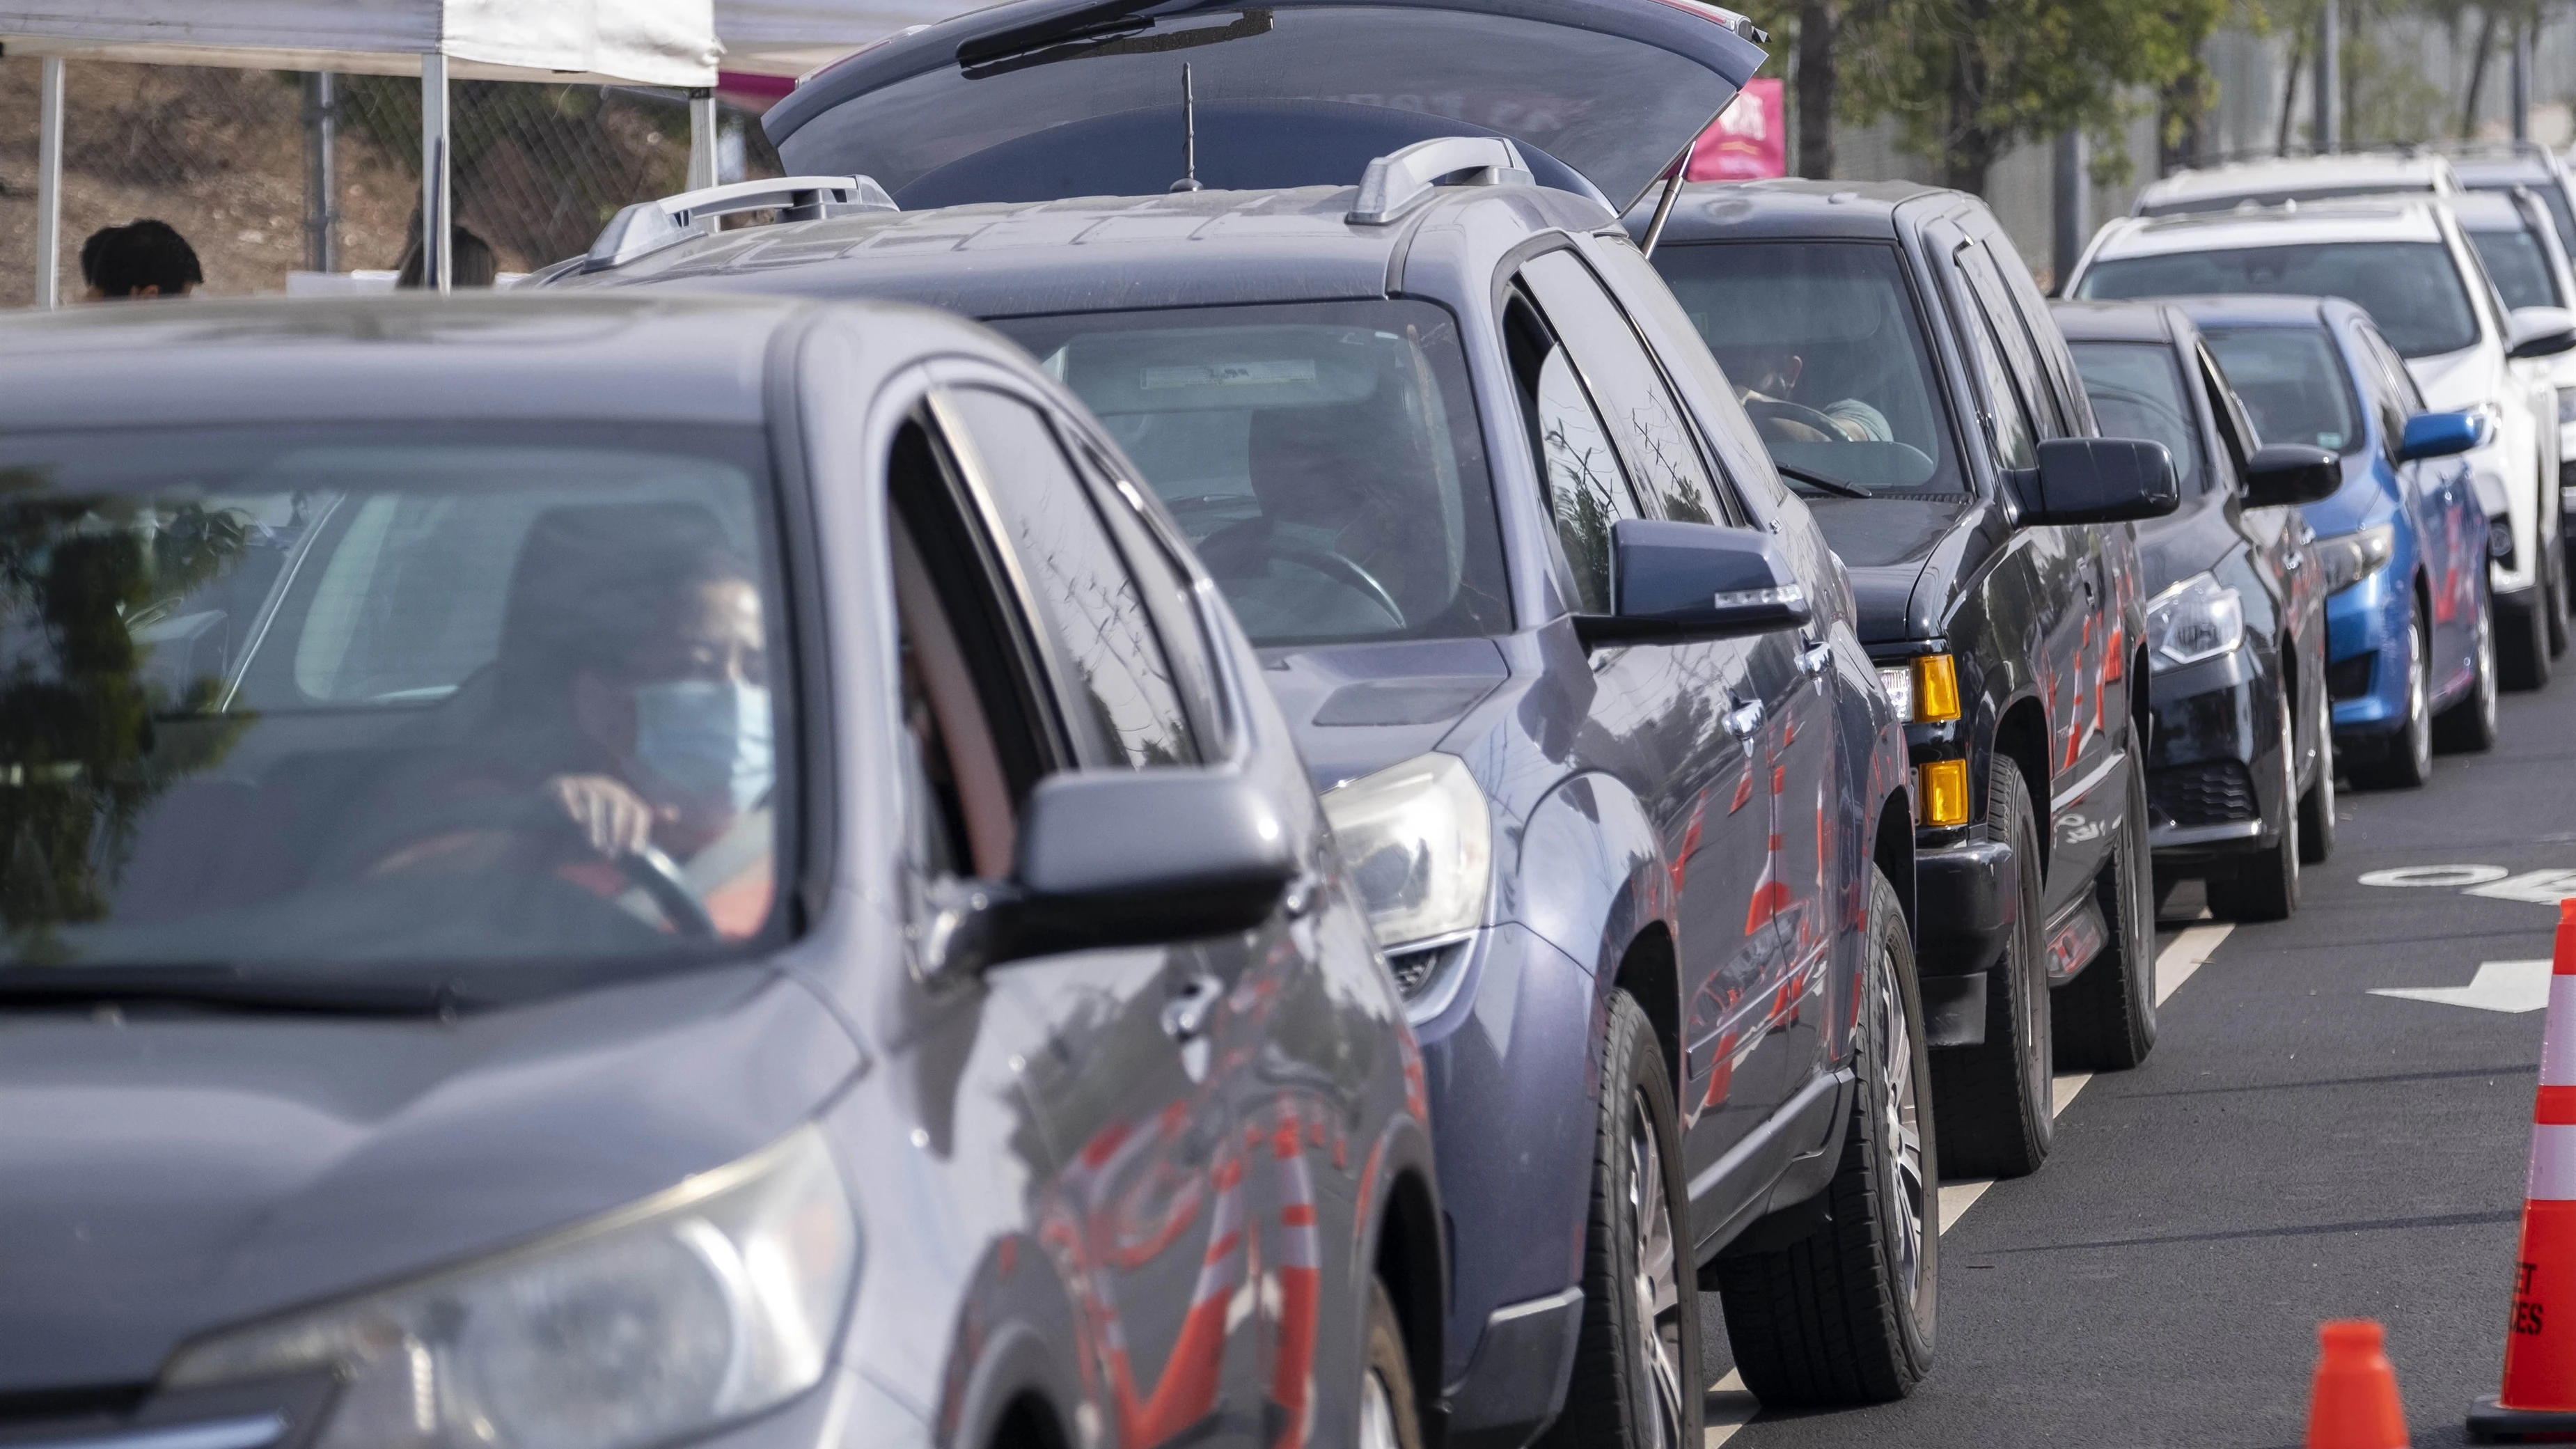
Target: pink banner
{"x":1746,"y":142}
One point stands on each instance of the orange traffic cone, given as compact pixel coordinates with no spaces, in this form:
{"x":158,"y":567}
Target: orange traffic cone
{"x":2353,"y":1404}
{"x":2539,"y":1398}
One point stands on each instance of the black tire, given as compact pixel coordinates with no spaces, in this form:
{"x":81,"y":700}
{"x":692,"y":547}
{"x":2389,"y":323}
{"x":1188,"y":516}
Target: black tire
{"x":1636,"y":1378}
{"x":2317,"y":806}
{"x":1846,"y":1314}
{"x":1994,"y":1098}
{"x":2522,"y":643}
{"x":2408,"y":764}
{"x":1389,"y":1416}
{"x":2106,"y":1017}
{"x":2469,"y":726}
{"x":2557,"y":601}
{"x":2264,"y":884}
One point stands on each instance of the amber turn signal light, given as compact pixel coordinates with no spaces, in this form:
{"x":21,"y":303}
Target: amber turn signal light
{"x":1941,"y":791}
{"x":1936,"y":688}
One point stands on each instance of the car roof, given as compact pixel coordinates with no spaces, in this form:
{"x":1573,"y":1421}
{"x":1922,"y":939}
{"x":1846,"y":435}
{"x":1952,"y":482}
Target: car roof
{"x":1791,"y":208}
{"x":2273,"y":173}
{"x":639,"y":357}
{"x":2488,"y":211}
{"x":2118,"y":321}
{"x":1090,"y":253}
{"x":2375,"y":219}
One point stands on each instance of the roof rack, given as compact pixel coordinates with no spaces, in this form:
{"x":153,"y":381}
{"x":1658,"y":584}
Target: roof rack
{"x":649,"y":226}
{"x":1399,"y":181}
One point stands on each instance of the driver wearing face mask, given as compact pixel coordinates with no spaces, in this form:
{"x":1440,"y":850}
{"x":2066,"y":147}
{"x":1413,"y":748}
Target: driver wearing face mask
{"x":630,"y":726}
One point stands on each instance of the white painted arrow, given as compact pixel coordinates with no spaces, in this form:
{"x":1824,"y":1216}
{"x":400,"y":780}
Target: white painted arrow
{"x":2511,"y":986}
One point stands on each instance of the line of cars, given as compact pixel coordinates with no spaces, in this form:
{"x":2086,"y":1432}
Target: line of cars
{"x":1299,"y":839}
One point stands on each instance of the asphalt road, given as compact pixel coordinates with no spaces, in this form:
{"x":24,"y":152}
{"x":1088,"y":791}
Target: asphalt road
{"x":2296,"y":1149}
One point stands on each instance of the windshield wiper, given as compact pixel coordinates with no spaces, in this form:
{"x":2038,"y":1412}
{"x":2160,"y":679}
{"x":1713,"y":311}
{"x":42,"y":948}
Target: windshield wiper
{"x":1834,"y":486}
{"x":218,"y":984}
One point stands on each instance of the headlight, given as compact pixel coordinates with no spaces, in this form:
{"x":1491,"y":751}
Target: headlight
{"x":710,"y":1302}
{"x":2348,"y":558}
{"x":1898,"y":681}
{"x":1925,"y":690}
{"x":2199,"y":618}
{"x":1419,"y":842}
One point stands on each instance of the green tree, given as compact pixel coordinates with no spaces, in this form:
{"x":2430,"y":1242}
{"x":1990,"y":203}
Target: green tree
{"x":1966,"y":80}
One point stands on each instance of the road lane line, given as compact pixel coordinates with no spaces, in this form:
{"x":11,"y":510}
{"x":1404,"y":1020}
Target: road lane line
{"x":1731,"y":1406}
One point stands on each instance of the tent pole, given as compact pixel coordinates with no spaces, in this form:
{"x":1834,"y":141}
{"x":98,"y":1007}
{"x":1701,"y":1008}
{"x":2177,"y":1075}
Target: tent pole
{"x":437,"y":206}
{"x":49,"y":181}
{"x":703,"y":162}
{"x":322,"y":172}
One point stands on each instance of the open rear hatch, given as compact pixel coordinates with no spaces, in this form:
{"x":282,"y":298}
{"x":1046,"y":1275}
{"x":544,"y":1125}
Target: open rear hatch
{"x":1044,"y":99}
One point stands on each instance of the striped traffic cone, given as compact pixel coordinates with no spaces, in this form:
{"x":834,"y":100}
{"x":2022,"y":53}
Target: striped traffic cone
{"x":2353,"y":1403}
{"x":2539,"y":1398}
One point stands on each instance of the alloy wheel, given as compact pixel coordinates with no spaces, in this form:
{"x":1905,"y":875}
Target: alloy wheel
{"x":2289,"y":802}
{"x":2418,"y":738}
{"x":1377,"y":1415}
{"x":1658,"y":1283}
{"x":1900,"y":1111}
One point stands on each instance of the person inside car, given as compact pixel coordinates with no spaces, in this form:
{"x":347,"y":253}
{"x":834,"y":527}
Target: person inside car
{"x":628,"y":721}
{"x":1766,"y":382}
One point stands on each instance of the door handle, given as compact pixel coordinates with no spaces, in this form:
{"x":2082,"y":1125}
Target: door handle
{"x":1185,"y":1016}
{"x":1815,"y":657}
{"x":1744,"y":719}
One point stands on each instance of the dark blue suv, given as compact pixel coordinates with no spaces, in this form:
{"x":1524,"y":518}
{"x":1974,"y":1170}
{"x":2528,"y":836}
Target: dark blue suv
{"x":1578,"y":673}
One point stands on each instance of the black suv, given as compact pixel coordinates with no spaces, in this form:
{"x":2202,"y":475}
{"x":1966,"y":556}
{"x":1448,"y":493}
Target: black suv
{"x":1902,"y":369}
{"x":1578,"y":673}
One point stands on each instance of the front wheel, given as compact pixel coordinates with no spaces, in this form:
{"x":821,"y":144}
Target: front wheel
{"x":2264,"y":886}
{"x":2409,"y":761}
{"x":2522,"y":642}
{"x":1636,"y":1364}
{"x":1845,"y":1315}
{"x":2106,"y":1017}
{"x":2317,"y":807}
{"x":1388,"y":1417}
{"x":1995,"y":1097}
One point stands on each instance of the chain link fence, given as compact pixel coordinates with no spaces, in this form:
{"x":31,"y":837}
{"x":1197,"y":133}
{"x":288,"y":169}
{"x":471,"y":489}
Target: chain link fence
{"x":223,"y":155}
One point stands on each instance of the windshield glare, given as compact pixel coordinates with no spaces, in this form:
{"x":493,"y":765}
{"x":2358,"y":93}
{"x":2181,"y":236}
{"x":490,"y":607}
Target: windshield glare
{"x":2292,"y":383}
{"x":2518,"y":266}
{"x":1824,"y":346}
{"x":1323,"y":458}
{"x":2137,"y":392}
{"x":356,"y":705}
{"x":2411,"y":289}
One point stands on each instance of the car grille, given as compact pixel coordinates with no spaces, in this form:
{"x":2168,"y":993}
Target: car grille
{"x":2210,"y":793}
{"x":2350,"y":678}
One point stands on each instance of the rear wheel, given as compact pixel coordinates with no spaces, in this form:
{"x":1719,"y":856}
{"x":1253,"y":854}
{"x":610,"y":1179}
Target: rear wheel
{"x":1636,"y":1365}
{"x":1389,"y":1418}
{"x":1845,"y":1315}
{"x":1994,"y":1097}
{"x":2264,"y":886}
{"x":2106,"y":1017}
{"x":2469,"y":727}
{"x":2409,"y":761}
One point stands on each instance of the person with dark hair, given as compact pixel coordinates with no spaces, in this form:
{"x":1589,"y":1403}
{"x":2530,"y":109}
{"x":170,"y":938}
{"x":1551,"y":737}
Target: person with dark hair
{"x":139,"y":259}
{"x":470,"y":261}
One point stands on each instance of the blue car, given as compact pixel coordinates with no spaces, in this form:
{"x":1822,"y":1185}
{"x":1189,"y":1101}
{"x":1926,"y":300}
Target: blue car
{"x":2410,"y":630}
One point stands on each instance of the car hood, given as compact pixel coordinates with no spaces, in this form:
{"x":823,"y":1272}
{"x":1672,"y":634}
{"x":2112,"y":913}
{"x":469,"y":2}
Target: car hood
{"x":1906,"y":556}
{"x":2191,"y":539}
{"x":1044,"y":99}
{"x":165,"y":1172}
{"x":2453,"y":381}
{"x":1358,"y":708}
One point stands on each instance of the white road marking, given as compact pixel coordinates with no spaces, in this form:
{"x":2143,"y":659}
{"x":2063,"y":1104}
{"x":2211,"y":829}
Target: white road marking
{"x":2510,"y":986}
{"x":2540,"y":887}
{"x":1731,"y":1406}
{"x":2453,"y":876}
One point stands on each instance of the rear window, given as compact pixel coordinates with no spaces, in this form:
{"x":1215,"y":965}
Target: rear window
{"x":2138,"y":392}
{"x":2411,"y":289}
{"x":2292,"y":382}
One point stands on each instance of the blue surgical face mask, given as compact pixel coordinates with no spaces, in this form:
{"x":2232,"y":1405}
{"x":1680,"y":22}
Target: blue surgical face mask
{"x":704,"y":743}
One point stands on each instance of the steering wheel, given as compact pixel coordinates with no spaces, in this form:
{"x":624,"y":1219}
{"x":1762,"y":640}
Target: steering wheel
{"x":1773,"y":409}
{"x":658,"y":876}
{"x":1258,"y":547}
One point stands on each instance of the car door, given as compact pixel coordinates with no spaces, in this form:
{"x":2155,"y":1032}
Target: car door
{"x":2450,"y":530}
{"x":1142,"y":1087}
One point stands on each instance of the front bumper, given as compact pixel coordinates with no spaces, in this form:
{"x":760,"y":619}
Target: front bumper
{"x":2366,"y":625}
{"x":2213,"y":725}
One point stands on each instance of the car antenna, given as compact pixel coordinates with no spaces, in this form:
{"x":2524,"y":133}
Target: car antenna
{"x":1189,"y":136}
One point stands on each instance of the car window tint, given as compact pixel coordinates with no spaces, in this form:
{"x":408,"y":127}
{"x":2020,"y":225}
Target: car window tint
{"x":2414,"y":290}
{"x":2008,"y":421}
{"x":2519,"y":266}
{"x":2292,"y":382}
{"x":1663,"y":456}
{"x":1586,"y":491}
{"x":2400,"y":378}
{"x":1160,"y":582}
{"x":2019,"y":355}
{"x":2139,"y":393}
{"x":2235,"y":429}
{"x":2065,"y":383}
{"x":1112,"y":677}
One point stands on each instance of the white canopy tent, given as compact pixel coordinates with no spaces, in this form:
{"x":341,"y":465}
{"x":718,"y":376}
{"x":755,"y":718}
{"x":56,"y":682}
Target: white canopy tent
{"x":792,"y":37}
{"x":643,"y":42}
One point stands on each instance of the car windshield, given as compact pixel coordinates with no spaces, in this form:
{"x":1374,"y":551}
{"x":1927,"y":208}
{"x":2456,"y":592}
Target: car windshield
{"x":1323,"y":458}
{"x":2137,"y":392}
{"x":2292,"y":383}
{"x":1826,"y":350}
{"x":483,"y":712}
{"x":2411,"y":289}
{"x":2519,"y":267}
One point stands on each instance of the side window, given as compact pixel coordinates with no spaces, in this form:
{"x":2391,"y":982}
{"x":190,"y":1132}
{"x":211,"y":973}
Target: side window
{"x":2038,"y":400}
{"x":2234,"y":429}
{"x":1113,"y":681}
{"x":1162,"y":583}
{"x":2379,"y":392}
{"x":2400,"y":381}
{"x":2015,"y":440}
{"x":1586,"y":491}
{"x":2073,"y":404}
{"x":1647,"y":425}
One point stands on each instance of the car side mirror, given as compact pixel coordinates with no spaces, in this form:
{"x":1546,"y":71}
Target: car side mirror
{"x":1681,"y":582}
{"x":1120,"y":858}
{"x":2284,"y":473}
{"x":2539,"y":331}
{"x":2098,"y":480}
{"x":2442,"y":435}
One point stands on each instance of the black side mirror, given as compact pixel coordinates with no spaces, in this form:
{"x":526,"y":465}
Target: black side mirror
{"x":1120,"y":858}
{"x":2283,"y":473}
{"x":1681,"y":582}
{"x":2097,"y":480}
